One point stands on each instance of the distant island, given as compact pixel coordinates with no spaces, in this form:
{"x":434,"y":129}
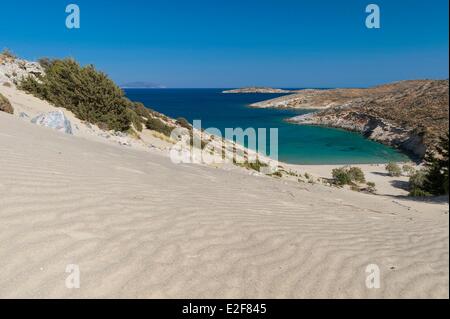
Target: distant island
{"x":142,"y":85}
{"x":256,"y":90}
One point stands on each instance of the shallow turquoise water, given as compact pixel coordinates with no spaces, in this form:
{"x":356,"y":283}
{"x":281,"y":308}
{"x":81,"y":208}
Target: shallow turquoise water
{"x":298,"y":144}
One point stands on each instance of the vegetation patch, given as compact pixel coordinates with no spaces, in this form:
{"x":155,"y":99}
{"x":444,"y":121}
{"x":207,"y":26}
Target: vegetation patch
{"x":157,"y":125}
{"x":181,"y":121}
{"x":433,"y":179}
{"x":86,"y":92}
{"x":278,"y":174}
{"x":348,"y":176}
{"x":252,"y":165}
{"x":6,"y":54}
{"x":393,"y":170}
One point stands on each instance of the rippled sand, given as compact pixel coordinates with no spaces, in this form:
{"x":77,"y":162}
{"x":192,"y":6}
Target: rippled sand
{"x":139,"y":226}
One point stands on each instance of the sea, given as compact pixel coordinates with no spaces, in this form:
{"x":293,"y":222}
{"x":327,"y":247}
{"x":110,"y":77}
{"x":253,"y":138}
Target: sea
{"x":297,"y":144}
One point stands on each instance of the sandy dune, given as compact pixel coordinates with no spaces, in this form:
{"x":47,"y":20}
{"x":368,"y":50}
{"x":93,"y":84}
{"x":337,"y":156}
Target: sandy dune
{"x":139,"y":226}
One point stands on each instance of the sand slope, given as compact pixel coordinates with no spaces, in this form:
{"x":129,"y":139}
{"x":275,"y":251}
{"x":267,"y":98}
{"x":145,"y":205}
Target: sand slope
{"x":140,"y":226}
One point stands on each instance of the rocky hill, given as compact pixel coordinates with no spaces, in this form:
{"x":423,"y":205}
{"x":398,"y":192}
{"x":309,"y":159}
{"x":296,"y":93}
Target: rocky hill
{"x":13,"y":69}
{"x":410,"y":115}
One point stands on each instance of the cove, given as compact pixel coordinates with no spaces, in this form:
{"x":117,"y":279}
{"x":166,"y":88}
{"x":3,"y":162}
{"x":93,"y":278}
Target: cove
{"x":298,"y":144}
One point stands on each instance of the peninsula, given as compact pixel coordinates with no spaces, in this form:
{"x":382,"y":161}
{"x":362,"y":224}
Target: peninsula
{"x":264,"y":90}
{"x":410,"y":115}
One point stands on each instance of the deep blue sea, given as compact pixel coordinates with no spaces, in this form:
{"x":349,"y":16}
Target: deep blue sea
{"x":298,"y":144}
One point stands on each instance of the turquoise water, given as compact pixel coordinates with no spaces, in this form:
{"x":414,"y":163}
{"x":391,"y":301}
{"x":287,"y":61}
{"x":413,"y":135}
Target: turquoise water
{"x":298,"y":144}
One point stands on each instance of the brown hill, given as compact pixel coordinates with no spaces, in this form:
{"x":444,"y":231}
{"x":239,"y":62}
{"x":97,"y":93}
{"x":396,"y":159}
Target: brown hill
{"x":410,"y":114}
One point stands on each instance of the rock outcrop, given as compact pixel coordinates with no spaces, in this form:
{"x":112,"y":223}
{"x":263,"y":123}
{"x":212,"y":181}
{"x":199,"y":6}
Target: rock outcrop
{"x":256,"y":90}
{"x":54,"y":120}
{"x":13,"y":70}
{"x":5,"y":106}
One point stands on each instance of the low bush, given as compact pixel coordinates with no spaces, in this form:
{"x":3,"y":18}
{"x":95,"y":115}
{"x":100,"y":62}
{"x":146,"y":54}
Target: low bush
{"x":393,"y":170}
{"x":437,"y":165}
{"x":86,"y":92}
{"x":256,"y":165}
{"x":348,"y":176}
{"x":356,"y":175}
{"x":341,"y":176}
{"x":159,"y":126}
{"x":181,"y":121}
{"x":143,"y":111}
{"x":276,"y":174}
{"x":136,"y":120}
{"x":371,"y":187}
{"x":408,"y":170}
{"x":417,"y":182}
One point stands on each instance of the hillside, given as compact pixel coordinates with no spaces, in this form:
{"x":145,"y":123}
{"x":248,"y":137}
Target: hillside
{"x":410,"y":115}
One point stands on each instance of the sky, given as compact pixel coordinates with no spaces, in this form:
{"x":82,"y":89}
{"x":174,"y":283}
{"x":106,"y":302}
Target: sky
{"x":235,"y":43}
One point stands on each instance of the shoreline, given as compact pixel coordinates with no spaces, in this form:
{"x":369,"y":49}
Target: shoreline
{"x":412,"y":157}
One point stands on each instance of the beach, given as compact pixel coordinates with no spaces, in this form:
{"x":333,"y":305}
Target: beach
{"x":140,"y":226}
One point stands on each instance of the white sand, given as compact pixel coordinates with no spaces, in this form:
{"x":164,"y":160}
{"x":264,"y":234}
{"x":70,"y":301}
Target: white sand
{"x":139,"y":226}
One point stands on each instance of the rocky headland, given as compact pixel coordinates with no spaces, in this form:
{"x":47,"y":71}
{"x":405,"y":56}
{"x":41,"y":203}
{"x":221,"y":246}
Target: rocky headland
{"x":256,"y":90}
{"x":409,"y":115}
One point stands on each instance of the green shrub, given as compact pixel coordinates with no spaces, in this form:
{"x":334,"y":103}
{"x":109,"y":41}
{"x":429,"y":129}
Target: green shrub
{"x":433,"y":179}
{"x":416,"y":184}
{"x":158,"y":126}
{"x":256,"y":165}
{"x":276,"y":174}
{"x":436,"y":165}
{"x":356,"y":175}
{"x":408,"y":170}
{"x":181,"y":121}
{"x":143,"y":111}
{"x":417,"y":192}
{"x":86,"y":92}
{"x":135,"y":119}
{"x":394,"y":170}
{"x":45,"y":63}
{"x":371,"y":187}
{"x":348,"y":176}
{"x":341,"y":176}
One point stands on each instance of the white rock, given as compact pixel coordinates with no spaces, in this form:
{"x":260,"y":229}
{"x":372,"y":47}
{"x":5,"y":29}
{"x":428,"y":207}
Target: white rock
{"x":14,"y":70}
{"x":55,"y":120}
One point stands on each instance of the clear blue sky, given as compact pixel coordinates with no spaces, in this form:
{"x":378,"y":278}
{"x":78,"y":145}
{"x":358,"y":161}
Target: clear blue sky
{"x":233,"y":43}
